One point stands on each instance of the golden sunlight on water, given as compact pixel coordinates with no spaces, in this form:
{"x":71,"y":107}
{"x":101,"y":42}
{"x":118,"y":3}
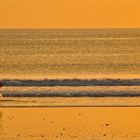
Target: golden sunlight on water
{"x":70,"y":123}
{"x":87,"y":53}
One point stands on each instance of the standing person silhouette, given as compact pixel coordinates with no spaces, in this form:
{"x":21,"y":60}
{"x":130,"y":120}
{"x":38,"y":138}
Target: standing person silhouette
{"x":1,"y":85}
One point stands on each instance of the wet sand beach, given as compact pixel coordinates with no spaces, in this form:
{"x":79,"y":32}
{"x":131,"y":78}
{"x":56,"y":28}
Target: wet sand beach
{"x":119,"y":123}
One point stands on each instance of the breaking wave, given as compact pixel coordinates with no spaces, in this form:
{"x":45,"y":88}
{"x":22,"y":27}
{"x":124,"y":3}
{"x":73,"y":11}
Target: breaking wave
{"x":79,"y":91}
{"x":71,"y":88}
{"x":72,"y":82}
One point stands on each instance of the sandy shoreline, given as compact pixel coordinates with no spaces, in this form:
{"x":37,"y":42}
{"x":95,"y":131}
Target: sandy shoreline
{"x":70,"y":123}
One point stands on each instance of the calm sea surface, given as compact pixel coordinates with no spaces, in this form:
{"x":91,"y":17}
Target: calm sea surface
{"x":70,"y":54}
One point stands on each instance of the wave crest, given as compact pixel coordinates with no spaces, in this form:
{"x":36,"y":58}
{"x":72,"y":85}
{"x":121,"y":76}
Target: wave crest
{"x":72,"y":82}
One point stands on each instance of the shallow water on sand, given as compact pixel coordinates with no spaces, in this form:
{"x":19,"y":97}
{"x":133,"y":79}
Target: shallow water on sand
{"x":70,"y":102}
{"x":66,"y":96}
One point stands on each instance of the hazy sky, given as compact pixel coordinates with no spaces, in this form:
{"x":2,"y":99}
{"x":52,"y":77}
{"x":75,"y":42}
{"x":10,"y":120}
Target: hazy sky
{"x":69,"y":13}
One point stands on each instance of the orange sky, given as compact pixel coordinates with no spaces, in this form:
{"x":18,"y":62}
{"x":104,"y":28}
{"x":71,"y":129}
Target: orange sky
{"x":69,"y":13}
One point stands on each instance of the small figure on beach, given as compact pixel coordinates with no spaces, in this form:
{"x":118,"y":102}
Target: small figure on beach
{"x":1,"y":85}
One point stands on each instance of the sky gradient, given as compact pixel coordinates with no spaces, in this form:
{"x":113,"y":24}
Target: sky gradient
{"x":69,"y":13}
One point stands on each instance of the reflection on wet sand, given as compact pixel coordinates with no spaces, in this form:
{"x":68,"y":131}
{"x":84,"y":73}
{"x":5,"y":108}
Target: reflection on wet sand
{"x":0,"y":117}
{"x":0,"y":121}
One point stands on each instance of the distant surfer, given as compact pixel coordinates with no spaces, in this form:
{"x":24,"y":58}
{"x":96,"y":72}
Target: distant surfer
{"x":1,"y":85}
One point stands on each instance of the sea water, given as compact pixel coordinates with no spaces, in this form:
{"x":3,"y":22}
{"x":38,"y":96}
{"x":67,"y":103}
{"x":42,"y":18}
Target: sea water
{"x":105,"y":61}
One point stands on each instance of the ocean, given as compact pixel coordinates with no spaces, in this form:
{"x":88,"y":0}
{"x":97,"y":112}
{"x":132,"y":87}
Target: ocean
{"x":70,"y":67}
